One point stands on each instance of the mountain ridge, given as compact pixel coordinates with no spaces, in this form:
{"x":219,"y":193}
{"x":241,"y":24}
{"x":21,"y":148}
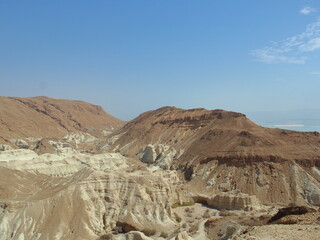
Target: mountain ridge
{"x":218,"y":151}
{"x":170,"y":172}
{"x":50,"y":117}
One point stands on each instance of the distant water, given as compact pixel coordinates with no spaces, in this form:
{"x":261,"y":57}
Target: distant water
{"x":296,"y":125}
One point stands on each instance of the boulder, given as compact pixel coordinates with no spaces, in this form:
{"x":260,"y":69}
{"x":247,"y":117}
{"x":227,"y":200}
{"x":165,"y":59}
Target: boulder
{"x":21,"y":144}
{"x":149,"y":154}
{"x":297,"y":210}
{"x":4,"y":147}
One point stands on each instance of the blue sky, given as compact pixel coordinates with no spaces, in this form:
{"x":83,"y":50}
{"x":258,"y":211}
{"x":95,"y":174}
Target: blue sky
{"x":132,"y":56}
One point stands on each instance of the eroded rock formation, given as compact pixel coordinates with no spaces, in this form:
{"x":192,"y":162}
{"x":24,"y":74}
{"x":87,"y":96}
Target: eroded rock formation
{"x":168,"y":174}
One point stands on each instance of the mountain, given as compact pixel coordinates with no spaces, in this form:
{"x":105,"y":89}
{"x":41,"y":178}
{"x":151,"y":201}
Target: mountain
{"x":70,"y":171}
{"x":202,"y":134}
{"x":219,"y":151}
{"x":50,"y":117}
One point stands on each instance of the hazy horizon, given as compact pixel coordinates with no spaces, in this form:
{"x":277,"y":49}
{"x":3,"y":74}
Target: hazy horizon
{"x":258,"y":58}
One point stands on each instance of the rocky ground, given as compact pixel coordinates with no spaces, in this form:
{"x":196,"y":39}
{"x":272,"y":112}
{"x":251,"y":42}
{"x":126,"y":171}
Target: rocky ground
{"x":280,"y":232}
{"x":81,"y":195}
{"x":169,"y":174}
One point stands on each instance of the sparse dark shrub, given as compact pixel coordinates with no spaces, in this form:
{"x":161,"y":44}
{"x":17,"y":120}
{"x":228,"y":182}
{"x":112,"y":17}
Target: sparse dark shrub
{"x":225,"y":213}
{"x":178,"y":218}
{"x":194,"y":228}
{"x":149,"y":232}
{"x":206,"y":215}
{"x":107,"y":236}
{"x":184,"y":204}
{"x":164,"y":235}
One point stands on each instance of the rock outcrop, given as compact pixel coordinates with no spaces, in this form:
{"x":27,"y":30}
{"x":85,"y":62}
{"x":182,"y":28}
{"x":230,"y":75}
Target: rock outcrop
{"x":234,"y":202}
{"x":160,"y":155}
{"x":230,"y":201}
{"x":297,"y":210}
{"x":220,"y":152}
{"x":66,"y":173}
{"x":72,"y":198}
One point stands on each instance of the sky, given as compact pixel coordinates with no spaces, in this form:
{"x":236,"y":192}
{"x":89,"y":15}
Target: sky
{"x":130,"y":56}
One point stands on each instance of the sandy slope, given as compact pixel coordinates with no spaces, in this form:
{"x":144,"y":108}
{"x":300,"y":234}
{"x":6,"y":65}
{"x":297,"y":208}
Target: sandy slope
{"x":50,"y":117}
{"x":81,"y":185}
{"x":219,"y":151}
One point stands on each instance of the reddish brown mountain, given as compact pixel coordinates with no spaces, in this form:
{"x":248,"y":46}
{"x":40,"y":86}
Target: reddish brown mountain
{"x":205,"y":134}
{"x":220,"y":151}
{"x":50,"y":117}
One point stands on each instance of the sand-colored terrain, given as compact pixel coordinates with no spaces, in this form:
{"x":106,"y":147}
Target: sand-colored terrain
{"x":50,"y":117}
{"x":70,"y":171}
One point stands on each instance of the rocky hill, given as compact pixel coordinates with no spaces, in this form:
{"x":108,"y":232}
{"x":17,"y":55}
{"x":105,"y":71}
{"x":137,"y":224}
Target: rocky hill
{"x":70,"y":171}
{"x":220,"y":151}
{"x":50,"y":117}
{"x":204,"y":134}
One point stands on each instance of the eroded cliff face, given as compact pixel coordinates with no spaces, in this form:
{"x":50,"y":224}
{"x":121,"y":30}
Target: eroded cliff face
{"x":51,"y":118}
{"x":87,"y":202}
{"x":271,"y":183}
{"x":169,"y":174}
{"x":219,"y":151}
